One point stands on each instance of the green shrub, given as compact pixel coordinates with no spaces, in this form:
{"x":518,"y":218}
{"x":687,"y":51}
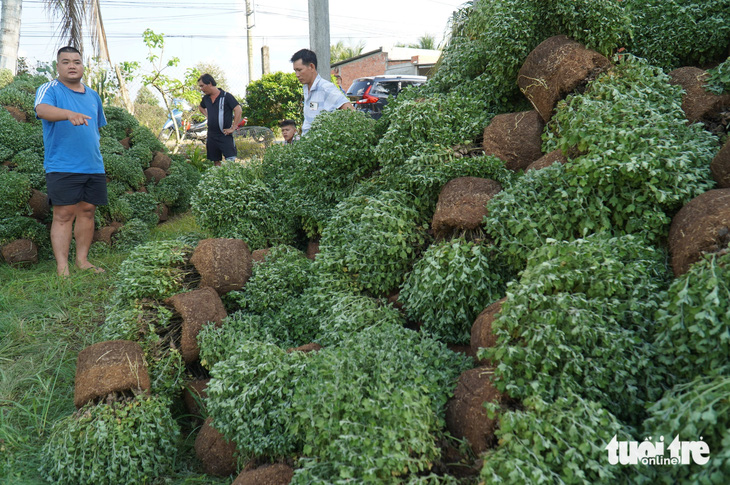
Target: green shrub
{"x":676,"y":33}
{"x":561,"y":442}
{"x":30,"y":163}
{"x":133,"y":233}
{"x":282,"y":276}
{"x":19,"y":227}
{"x":16,"y":136}
{"x":373,"y":240}
{"x":122,"y":443}
{"x":109,"y":145}
{"x":233,"y":201}
{"x":718,"y":78}
{"x":6,"y":77}
{"x":636,"y":162}
{"x":579,"y":321}
{"x":274,"y":97}
{"x":119,"y":123}
{"x":124,"y":169}
{"x":351,"y":403}
{"x":141,"y":136}
{"x":14,"y":194}
{"x":249,"y":398}
{"x":219,"y":343}
{"x":696,"y":410}
{"x":319,"y":171}
{"x":176,"y":189}
{"x":143,"y":207}
{"x":151,"y":324}
{"x":450,"y":285}
{"x":424,"y":175}
{"x":693,"y":324}
{"x":17,"y":98}
{"x":157,"y":270}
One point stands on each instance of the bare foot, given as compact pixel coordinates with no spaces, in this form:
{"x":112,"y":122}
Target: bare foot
{"x":90,"y":267}
{"x":62,"y":271}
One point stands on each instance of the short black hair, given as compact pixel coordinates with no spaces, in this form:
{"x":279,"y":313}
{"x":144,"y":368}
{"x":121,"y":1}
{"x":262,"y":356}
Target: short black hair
{"x":306,"y":56}
{"x":207,"y":79}
{"x":284,"y":123}
{"x":67,"y":48}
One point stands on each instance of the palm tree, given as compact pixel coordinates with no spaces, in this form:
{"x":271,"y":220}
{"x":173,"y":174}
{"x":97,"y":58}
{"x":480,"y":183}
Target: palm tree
{"x":10,"y":38}
{"x":426,"y":41}
{"x":340,"y":52}
{"x":72,"y":15}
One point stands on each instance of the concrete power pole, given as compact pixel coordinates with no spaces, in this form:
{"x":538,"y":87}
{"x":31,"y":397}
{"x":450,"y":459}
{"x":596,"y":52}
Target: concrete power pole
{"x":10,"y":34}
{"x":319,"y":35}
{"x":265,"y":64}
{"x":249,"y":40}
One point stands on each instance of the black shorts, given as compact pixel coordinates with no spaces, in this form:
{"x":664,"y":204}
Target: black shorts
{"x":220,"y":147}
{"x":66,"y":188}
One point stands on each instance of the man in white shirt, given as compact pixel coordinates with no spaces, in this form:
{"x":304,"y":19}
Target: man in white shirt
{"x":319,"y":95}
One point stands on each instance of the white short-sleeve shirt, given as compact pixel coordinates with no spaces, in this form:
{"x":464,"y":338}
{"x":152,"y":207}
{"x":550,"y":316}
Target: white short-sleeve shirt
{"x":324,"y":96}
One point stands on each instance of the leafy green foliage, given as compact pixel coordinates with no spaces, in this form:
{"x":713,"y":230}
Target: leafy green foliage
{"x":373,"y":240}
{"x":313,"y":175}
{"x":561,"y":442}
{"x":16,"y":136}
{"x":14,"y":194}
{"x":122,"y":443}
{"x":158,"y":270}
{"x":579,"y":321}
{"x":30,"y":162}
{"x":676,"y":33}
{"x":133,"y":233}
{"x":17,"y":98}
{"x":282,"y":276}
{"x":274,"y":97}
{"x":351,"y":419}
{"x":125,"y":169}
{"x":636,"y":162}
{"x":718,"y":78}
{"x":119,"y":123}
{"x":249,"y":398}
{"x":233,"y":201}
{"x":694,"y":410}
{"x":19,"y":227}
{"x":693,"y":334}
{"x":450,"y":285}
{"x":176,"y":189}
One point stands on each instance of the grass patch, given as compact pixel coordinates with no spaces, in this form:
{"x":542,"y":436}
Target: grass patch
{"x":44,"y":322}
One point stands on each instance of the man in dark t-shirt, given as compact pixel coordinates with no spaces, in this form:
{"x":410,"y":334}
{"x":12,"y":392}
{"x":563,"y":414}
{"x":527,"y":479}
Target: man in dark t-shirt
{"x":223,"y":113}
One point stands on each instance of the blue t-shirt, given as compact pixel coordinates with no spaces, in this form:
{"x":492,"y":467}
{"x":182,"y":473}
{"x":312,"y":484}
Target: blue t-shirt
{"x":324,"y":96}
{"x":70,"y":148}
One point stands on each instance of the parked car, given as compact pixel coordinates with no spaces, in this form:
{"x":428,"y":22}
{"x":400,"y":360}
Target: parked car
{"x":370,"y":94}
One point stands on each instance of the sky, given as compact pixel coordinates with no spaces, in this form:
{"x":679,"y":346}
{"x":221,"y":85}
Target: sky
{"x":216,"y":32}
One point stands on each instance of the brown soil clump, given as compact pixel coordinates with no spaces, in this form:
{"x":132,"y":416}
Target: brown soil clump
{"x":161,"y":161}
{"x":556,"y":68}
{"x":39,"y":205}
{"x":16,"y":113}
{"x":106,"y":233}
{"x":555,"y":156}
{"x":466,"y":416}
{"x":720,"y":167}
{"x":154,"y":174}
{"x":112,"y":366}
{"x":697,"y":103}
{"x":217,"y":455}
{"x":125,"y":142}
{"x":163,"y":212}
{"x":223,"y":264}
{"x":482,"y":335}
{"x":312,"y":248}
{"x":313,"y":347}
{"x":276,"y":474}
{"x":260,"y":255}
{"x":515,"y":138}
{"x":196,"y":308}
{"x":20,"y":252}
{"x":702,"y":226}
{"x":462,"y":205}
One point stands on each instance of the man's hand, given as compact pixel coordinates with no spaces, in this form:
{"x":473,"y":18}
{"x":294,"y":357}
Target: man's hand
{"x":77,"y":119}
{"x":228,"y":131}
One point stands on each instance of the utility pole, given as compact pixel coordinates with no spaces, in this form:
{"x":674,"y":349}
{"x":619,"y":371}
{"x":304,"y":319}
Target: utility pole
{"x":249,"y":40}
{"x":10,"y":34}
{"x":265,"y":64}
{"x":319,"y":35}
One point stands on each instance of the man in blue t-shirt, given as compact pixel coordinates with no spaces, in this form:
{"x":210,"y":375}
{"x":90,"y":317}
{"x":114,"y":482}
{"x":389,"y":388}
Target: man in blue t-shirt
{"x":224,"y":114}
{"x":76,"y":183}
{"x":319,"y":95}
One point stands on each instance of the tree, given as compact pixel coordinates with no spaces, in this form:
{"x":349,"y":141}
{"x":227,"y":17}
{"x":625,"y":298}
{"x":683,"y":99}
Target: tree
{"x":72,"y":15}
{"x":215,"y":71}
{"x":10,"y":14}
{"x":340,"y":52}
{"x":274,"y":97}
{"x":426,"y":41}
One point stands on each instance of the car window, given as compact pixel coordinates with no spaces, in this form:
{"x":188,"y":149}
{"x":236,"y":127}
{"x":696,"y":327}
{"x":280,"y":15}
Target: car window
{"x":358,"y":87}
{"x":386,"y":88}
